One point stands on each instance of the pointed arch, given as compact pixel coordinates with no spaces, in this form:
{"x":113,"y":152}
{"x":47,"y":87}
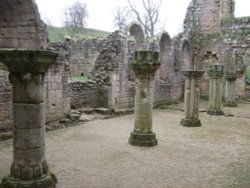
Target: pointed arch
{"x":136,"y":31}
{"x":165,"y":56}
{"x":187,"y":55}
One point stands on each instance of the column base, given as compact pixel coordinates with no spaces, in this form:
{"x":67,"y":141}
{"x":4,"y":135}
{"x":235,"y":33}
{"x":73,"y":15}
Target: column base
{"x":215,"y":112}
{"x":143,"y":140}
{"x":190,"y":122}
{"x":47,"y":181}
{"x":230,"y":104}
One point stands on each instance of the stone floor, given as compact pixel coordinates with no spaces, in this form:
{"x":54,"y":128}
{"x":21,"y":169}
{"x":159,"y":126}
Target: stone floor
{"x":96,"y":154}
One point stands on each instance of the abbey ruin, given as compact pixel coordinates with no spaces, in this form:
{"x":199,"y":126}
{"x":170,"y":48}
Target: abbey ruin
{"x":213,"y":50}
{"x":212,"y":35}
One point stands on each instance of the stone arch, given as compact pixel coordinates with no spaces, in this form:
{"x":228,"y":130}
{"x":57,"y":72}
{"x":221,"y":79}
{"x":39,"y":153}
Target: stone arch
{"x":21,"y":26}
{"x":138,"y":43}
{"x":165,"y":56}
{"x":187,"y":56}
{"x":136,"y":31}
{"x":208,"y":58}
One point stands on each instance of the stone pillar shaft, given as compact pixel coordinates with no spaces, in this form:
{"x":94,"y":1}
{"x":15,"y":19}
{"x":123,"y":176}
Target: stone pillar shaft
{"x":215,"y":74}
{"x":230,"y":77}
{"x":143,"y":104}
{"x":145,"y":65}
{"x":27,"y":69}
{"x":192,"y":98}
{"x":29,"y":125}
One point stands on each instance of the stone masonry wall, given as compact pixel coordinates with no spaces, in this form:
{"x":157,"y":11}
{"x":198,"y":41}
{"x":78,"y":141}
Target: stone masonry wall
{"x":213,"y":30}
{"x":5,"y":99}
{"x":83,"y":94}
{"x":57,"y":86}
{"x":206,"y":16}
{"x":83,"y":54}
{"x":21,"y":26}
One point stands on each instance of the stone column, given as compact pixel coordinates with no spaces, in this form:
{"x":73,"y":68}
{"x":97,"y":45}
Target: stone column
{"x":215,"y":74}
{"x":192,"y":98}
{"x":27,"y":70}
{"x":230,"y":77}
{"x":145,"y":65}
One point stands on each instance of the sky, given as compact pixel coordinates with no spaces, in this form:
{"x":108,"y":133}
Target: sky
{"x":101,"y":12}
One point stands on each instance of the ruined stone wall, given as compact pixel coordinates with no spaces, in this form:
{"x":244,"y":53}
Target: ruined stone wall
{"x":107,"y":62}
{"x":57,"y":86}
{"x":203,"y":16}
{"x":237,"y":36}
{"x":212,"y":33}
{"x":83,"y":54}
{"x":5,"y":99}
{"x":206,"y":16}
{"x":83,"y":94}
{"x":169,"y":83}
{"x":21,"y":26}
{"x":111,"y":71}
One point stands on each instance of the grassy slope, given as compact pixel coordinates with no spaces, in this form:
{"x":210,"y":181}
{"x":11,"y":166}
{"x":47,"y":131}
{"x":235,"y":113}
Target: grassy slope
{"x":57,"y":34}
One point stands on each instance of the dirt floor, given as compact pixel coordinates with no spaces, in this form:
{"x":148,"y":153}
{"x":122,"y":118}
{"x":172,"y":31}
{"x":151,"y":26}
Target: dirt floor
{"x":96,"y":154}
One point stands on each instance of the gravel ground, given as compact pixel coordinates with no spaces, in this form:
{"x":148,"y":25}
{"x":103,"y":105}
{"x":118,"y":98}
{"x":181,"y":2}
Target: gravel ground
{"x":97,"y":154}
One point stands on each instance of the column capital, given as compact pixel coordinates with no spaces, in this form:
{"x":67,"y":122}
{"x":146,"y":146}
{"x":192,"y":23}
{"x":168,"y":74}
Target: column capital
{"x":27,"y":61}
{"x":215,"y":71}
{"x":231,"y":75}
{"x":192,"y":73}
{"x":145,"y":62}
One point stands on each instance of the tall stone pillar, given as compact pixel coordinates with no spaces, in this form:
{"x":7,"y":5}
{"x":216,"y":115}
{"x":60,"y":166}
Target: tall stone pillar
{"x":27,"y":70}
{"x":192,"y":98}
{"x":230,"y":77}
{"x":145,"y":65}
{"x":215,"y":74}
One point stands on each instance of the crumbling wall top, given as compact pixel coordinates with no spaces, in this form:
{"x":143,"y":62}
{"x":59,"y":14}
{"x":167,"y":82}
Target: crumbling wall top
{"x":21,"y":26}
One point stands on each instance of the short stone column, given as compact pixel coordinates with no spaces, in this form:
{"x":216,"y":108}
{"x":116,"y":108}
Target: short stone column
{"x":192,"y":98}
{"x":230,"y":77}
{"x":215,"y":74}
{"x":144,"y":65}
{"x":27,"y":70}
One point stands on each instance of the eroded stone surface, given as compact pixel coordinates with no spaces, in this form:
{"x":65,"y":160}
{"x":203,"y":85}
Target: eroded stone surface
{"x":145,"y":65}
{"x":192,"y":99}
{"x":27,"y":69}
{"x":215,"y":74}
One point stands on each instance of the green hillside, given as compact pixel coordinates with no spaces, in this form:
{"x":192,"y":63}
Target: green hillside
{"x":57,"y":34}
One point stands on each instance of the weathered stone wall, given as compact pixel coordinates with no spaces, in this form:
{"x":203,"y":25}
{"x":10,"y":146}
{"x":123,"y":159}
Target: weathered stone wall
{"x":83,"y":94}
{"x":213,"y":29}
{"x":83,"y":54}
{"x":5,"y":99}
{"x":57,"y":86}
{"x":21,"y":26}
{"x":205,"y":16}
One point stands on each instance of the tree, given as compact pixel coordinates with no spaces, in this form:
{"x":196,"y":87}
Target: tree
{"x":76,"y":17}
{"x":121,"y":15}
{"x":150,"y":17}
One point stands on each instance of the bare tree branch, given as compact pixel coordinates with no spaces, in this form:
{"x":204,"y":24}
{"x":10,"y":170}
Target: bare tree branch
{"x":76,"y":17}
{"x":121,"y":16}
{"x":150,"y":17}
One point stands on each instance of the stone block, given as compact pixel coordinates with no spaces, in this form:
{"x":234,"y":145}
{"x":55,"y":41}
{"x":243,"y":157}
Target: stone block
{"x":29,"y":138}
{"x":22,"y":121}
{"x":29,"y":157}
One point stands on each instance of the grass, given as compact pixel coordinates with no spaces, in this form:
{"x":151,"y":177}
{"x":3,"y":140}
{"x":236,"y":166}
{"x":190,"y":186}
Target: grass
{"x":56,"y":34}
